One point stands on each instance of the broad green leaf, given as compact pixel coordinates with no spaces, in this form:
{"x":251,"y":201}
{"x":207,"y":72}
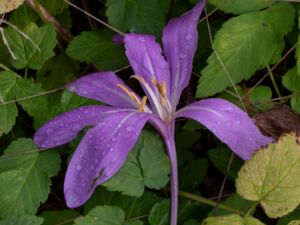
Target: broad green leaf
{"x":290,"y":217}
{"x":60,"y":217}
{"x":22,"y":220}
{"x":27,"y":172}
{"x":261,"y":97}
{"x":103,"y":215}
{"x":291,"y":81}
{"x":137,"y":16}
{"x":8,"y":112}
{"x":220,"y":157}
{"x":54,"y":6}
{"x":240,"y":6}
{"x":233,"y":219}
{"x":97,"y":47}
{"x":245,"y":44}
{"x":137,"y":222}
{"x":192,"y":222}
{"x":30,"y":96}
{"x":192,"y":173}
{"x":133,"y":207}
{"x":297,"y":54}
{"x":271,"y":177}
{"x":294,"y":222}
{"x":129,"y":179}
{"x":186,"y":138}
{"x":28,"y":55}
{"x":154,"y":162}
{"x":159,"y":214}
{"x":9,"y":5}
{"x":235,"y":202}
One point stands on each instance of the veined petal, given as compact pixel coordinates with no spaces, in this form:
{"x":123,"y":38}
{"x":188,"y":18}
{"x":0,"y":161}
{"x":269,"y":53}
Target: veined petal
{"x":103,"y":87}
{"x":65,"y":127}
{"x":180,"y":38}
{"x":101,"y":153}
{"x":146,"y":59}
{"x":229,"y":123}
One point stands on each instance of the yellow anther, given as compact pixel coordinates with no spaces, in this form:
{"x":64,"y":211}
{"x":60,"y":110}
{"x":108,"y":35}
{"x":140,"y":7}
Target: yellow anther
{"x":129,"y":93}
{"x":161,"y":89}
{"x":141,"y":106}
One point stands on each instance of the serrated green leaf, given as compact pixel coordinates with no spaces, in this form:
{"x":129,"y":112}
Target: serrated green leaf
{"x":59,"y":217}
{"x":146,"y":16}
{"x":220,"y":157}
{"x":22,"y":220}
{"x":54,"y":6}
{"x":271,"y":177}
{"x":97,"y":47}
{"x":103,"y":215}
{"x":294,"y":222}
{"x":159,"y":214}
{"x":133,"y":207}
{"x":244,"y":44}
{"x":240,"y":6}
{"x":25,"y":177}
{"x":290,"y":217}
{"x":134,"y":223}
{"x":8,"y":112}
{"x":186,"y":138}
{"x":129,"y":179}
{"x":28,"y":55}
{"x":192,"y":222}
{"x":154,"y":162}
{"x":192,"y":173}
{"x":233,"y":219}
{"x":29,"y":96}
{"x":291,"y":81}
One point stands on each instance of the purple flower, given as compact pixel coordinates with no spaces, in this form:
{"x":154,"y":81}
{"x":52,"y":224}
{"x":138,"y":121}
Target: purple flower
{"x":115,"y":128}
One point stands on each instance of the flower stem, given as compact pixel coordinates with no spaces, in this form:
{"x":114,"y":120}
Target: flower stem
{"x":171,"y":149}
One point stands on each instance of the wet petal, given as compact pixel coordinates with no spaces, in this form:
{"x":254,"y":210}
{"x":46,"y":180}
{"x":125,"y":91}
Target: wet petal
{"x":146,"y":59}
{"x":229,"y":123}
{"x":65,"y":127}
{"x":180,"y":38}
{"x":101,"y":153}
{"x":103,"y":87}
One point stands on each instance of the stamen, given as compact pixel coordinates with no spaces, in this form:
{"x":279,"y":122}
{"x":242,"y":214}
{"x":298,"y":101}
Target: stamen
{"x":129,"y":93}
{"x":163,"y":93}
{"x":141,"y":106}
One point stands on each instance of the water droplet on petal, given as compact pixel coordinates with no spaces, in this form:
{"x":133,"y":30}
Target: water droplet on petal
{"x":111,"y":149}
{"x":114,"y":139}
{"x":182,"y":55}
{"x":49,"y":131}
{"x":188,"y":37}
{"x":79,"y":167}
{"x":141,"y":39}
{"x":228,"y":124}
{"x":238,"y":122}
{"x":129,"y":129}
{"x":76,"y":127}
{"x":92,"y":167}
{"x":214,"y":130}
{"x":96,"y":161}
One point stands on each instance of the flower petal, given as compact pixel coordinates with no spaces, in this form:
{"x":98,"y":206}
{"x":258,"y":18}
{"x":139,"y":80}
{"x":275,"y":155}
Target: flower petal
{"x":103,"y":87}
{"x":65,"y":127}
{"x":101,"y":153}
{"x":146,"y":59}
{"x":180,"y":38}
{"x":229,"y":123}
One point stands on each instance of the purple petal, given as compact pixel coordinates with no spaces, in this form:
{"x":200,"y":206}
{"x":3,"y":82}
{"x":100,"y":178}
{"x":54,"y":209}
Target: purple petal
{"x":146,"y":59}
{"x":103,"y":87}
{"x":229,"y":123}
{"x":101,"y":153}
{"x":180,"y":38}
{"x":65,"y":127}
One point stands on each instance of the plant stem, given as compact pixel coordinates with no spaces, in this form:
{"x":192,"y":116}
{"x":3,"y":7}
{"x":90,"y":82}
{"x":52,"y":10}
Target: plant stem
{"x":273,"y":81}
{"x":209,"y":202}
{"x":251,"y":209}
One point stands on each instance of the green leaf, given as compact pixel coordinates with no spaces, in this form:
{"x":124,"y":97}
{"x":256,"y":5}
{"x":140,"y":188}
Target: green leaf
{"x":192,"y":173}
{"x":129,"y":179}
{"x":271,"y":177}
{"x":103,"y":215}
{"x":290,"y":217}
{"x":25,"y":177}
{"x":22,"y":220}
{"x":28,"y":55}
{"x":159,"y":214}
{"x":30,"y":96}
{"x":245,"y":44}
{"x":220,"y":157}
{"x":240,"y":6}
{"x":54,"y":6}
{"x":154,"y":161}
{"x":230,"y":220}
{"x":59,"y":217}
{"x":97,"y":47}
{"x":133,"y":207}
{"x":8,"y":112}
{"x":186,"y":138}
{"x":137,"y":222}
{"x":261,"y":97}
{"x":294,"y":222}
{"x":291,"y":81}
{"x":146,"y":16}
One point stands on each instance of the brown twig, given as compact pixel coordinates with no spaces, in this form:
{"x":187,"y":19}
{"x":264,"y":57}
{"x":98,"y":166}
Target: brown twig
{"x":47,"y":17}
